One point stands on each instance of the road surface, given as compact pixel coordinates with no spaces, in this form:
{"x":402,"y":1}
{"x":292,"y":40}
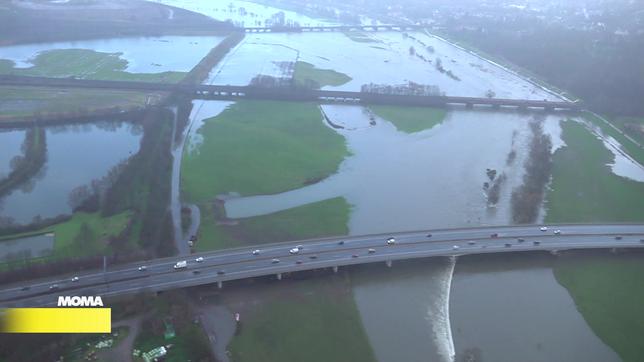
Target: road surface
{"x":240,"y":263}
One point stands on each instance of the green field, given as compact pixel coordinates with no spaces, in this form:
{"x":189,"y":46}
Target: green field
{"x":584,"y":189}
{"x":313,"y":320}
{"x":361,"y":37}
{"x":609,"y":292}
{"x":25,"y":101}
{"x":410,"y":119}
{"x":631,"y":148}
{"x":320,"y":219}
{"x":261,"y":147}
{"x":83,"y":235}
{"x":86,"y":64}
{"x":307,"y":75}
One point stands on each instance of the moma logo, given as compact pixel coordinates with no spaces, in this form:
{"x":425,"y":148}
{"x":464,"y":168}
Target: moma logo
{"x":80,"y":301}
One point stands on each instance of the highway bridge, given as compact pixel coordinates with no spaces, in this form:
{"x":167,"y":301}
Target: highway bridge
{"x":331,"y":28}
{"x":229,"y":92}
{"x":276,"y":260}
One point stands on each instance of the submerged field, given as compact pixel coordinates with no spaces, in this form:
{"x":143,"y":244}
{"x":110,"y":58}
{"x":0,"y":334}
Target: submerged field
{"x":85,"y":64}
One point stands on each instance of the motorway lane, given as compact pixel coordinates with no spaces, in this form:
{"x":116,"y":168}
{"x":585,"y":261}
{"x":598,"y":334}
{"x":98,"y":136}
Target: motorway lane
{"x":402,"y":251}
{"x":240,"y":260}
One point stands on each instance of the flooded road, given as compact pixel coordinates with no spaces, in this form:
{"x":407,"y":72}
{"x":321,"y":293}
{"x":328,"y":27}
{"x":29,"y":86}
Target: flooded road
{"x":103,"y":146}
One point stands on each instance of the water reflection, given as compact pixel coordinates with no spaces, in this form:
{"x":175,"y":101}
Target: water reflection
{"x":76,"y":155}
{"x":10,"y":143}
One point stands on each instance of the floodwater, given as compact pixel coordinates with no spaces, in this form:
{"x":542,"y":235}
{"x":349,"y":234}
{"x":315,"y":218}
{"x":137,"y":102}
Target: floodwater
{"x":242,"y":13}
{"x":10,"y":147}
{"x":430,"y":179}
{"x":28,"y":247}
{"x":511,"y":308}
{"x":379,"y":61}
{"x":143,"y":54}
{"x":76,"y":155}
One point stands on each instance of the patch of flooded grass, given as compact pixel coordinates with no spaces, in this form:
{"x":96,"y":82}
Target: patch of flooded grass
{"x":410,"y":119}
{"x":87,"y":64}
{"x":306,"y":74}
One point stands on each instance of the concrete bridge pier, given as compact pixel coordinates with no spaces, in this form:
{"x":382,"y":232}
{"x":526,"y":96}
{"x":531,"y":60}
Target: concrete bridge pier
{"x":335,"y":269}
{"x":389,"y":263}
{"x":279,"y":276}
{"x":220,"y":284}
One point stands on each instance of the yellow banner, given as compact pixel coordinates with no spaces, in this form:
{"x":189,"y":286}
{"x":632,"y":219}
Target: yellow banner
{"x":56,"y":320}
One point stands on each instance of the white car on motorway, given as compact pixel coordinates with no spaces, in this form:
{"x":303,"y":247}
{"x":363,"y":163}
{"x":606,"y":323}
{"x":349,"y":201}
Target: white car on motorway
{"x":294,"y":250}
{"x":391,"y":241}
{"x":557,"y":232}
{"x":142,"y":268}
{"x":543,"y":228}
{"x":455,"y":247}
{"x":74,"y":279}
{"x":256,"y":252}
{"x":199,"y":259}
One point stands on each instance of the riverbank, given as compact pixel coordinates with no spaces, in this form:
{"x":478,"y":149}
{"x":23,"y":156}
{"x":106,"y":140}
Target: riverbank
{"x":313,"y":319}
{"x":608,"y":292}
{"x":608,"y":289}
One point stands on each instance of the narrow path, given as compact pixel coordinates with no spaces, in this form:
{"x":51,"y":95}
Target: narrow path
{"x":219,"y":324}
{"x":123,"y":351}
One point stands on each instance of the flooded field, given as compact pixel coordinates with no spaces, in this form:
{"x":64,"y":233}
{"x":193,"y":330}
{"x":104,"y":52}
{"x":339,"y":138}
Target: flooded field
{"x":103,"y":145}
{"x":377,"y":60}
{"x":243,"y":13}
{"x":143,"y":54}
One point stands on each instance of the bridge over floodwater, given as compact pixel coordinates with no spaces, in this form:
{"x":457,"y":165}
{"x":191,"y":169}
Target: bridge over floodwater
{"x":231,"y":92}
